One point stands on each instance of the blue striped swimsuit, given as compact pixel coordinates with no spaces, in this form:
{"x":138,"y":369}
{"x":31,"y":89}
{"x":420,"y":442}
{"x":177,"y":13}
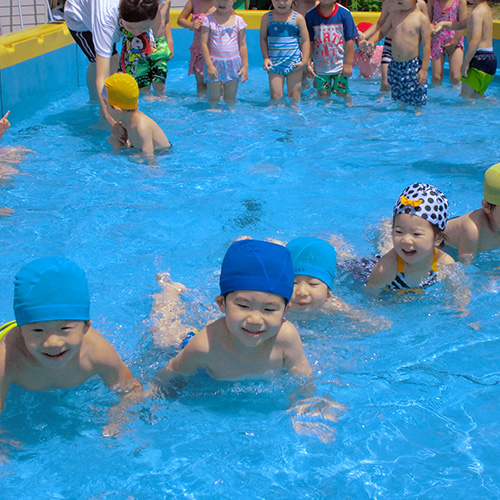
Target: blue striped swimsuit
{"x":283,"y":41}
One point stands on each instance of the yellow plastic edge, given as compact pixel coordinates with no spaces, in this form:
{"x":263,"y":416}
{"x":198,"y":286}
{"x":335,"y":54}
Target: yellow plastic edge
{"x":32,"y":42}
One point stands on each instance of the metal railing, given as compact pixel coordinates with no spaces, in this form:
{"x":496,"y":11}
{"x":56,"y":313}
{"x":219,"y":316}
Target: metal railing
{"x":20,"y":14}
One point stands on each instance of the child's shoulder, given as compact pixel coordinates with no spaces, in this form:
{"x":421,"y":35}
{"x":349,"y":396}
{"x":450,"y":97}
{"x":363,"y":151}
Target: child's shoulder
{"x":287,"y":335}
{"x":444,"y":259}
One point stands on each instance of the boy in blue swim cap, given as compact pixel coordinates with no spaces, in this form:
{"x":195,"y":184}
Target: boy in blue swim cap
{"x":252,"y":338}
{"x":52,"y":344}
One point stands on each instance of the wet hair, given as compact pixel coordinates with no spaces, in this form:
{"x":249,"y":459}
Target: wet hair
{"x":136,"y":11}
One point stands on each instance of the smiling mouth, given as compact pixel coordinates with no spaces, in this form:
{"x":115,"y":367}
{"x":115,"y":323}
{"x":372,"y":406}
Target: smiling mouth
{"x":55,"y":356}
{"x":253,"y":334}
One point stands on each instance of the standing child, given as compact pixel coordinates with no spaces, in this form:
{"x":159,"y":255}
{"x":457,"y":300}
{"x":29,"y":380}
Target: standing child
{"x":281,"y":33}
{"x":407,"y":73}
{"x":332,"y":32}
{"x":447,"y":42}
{"x":480,"y":62}
{"x":224,"y":48}
{"x":415,"y":262}
{"x":132,"y":128}
{"x":197,"y":9}
{"x":145,"y":55}
{"x":479,"y":230}
{"x":252,"y":339}
{"x":52,"y":344}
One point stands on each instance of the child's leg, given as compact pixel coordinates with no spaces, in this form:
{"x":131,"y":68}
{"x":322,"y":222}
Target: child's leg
{"x":230,"y":90}
{"x":214,"y":92}
{"x":468,"y":92}
{"x":455,"y":60}
{"x":201,"y":86}
{"x":276,"y":84}
{"x":294,"y":84}
{"x":437,"y":71}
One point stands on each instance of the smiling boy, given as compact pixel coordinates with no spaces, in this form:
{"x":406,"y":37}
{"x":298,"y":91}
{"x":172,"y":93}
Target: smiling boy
{"x":52,"y":343}
{"x":253,"y":338}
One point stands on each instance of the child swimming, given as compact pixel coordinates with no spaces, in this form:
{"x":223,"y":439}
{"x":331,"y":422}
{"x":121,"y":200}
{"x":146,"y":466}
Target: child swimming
{"x":197,"y":9}
{"x":224,"y":48}
{"x":52,"y":344}
{"x":285,"y":46}
{"x":252,"y":339}
{"x":132,"y":128}
{"x":415,"y":262}
{"x":479,"y":230}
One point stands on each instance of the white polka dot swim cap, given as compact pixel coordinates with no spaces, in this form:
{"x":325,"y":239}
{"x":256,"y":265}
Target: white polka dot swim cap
{"x":426,"y":201}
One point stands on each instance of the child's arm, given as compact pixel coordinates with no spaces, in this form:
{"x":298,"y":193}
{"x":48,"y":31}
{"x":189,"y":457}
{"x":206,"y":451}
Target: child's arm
{"x":168,"y":31}
{"x":462,"y":14}
{"x":468,"y":244}
{"x":4,"y":124}
{"x":119,"y":137}
{"x":295,"y":360}
{"x":191,"y":358}
{"x":264,"y":23}
{"x":425,"y":36}
{"x":383,"y":273}
{"x":305,"y":46}
{"x":349,"y":56}
{"x":242,"y":41}
{"x":474,"y":32}
{"x":211,"y":70}
{"x":461,"y":24}
{"x":183,"y":21}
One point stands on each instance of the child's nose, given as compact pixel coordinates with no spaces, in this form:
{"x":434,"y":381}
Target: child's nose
{"x":300,"y":289}
{"x":53,"y":340}
{"x":255,"y":317}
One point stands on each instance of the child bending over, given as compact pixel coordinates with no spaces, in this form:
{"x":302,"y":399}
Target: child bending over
{"x":479,"y":230}
{"x":132,"y":128}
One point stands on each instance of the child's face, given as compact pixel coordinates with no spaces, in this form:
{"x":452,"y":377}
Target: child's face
{"x":282,"y":6}
{"x":252,"y":317}
{"x":309,"y":293}
{"x":224,"y":5}
{"x":406,"y":4}
{"x":54,"y":344}
{"x":137,"y":28}
{"x":413,"y":238}
{"x":327,"y":3}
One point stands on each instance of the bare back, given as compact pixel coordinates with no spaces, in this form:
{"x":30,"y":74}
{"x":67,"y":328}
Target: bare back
{"x":480,"y":23}
{"x":145,"y":134}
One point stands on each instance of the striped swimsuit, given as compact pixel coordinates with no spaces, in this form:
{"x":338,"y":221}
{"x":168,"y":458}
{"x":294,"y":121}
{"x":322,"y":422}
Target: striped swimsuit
{"x":401,"y":286}
{"x":283,"y":41}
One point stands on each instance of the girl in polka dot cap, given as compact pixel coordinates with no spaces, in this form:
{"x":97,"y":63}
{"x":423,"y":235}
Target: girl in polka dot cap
{"x":415,"y":262}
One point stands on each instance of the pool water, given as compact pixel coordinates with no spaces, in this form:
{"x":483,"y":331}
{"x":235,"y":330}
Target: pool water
{"x":409,"y":411}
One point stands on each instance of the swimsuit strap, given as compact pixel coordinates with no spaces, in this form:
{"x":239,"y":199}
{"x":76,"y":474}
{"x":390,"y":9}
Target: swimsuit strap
{"x":7,"y":327}
{"x":435,"y":261}
{"x":271,"y":19}
{"x":401,"y":264}
{"x":294,"y":17}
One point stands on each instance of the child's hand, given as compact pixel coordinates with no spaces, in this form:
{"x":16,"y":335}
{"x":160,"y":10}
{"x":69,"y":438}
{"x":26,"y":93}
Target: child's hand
{"x":212,"y":71}
{"x":422,"y":77}
{"x":310,"y":69}
{"x":464,"y":69}
{"x":171,"y":55}
{"x":366,"y":47}
{"x":4,"y":123}
{"x":267,"y":63}
{"x":449,"y":48}
{"x":119,"y":133}
{"x":347,"y":70}
{"x":197,"y":24}
{"x":436,"y":28}
{"x":244,"y":74}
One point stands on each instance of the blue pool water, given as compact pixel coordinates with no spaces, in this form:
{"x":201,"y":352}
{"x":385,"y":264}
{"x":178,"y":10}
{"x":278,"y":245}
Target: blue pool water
{"x":418,"y":403}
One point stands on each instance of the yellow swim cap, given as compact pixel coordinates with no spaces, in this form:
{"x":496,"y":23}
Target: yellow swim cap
{"x":122,"y":91}
{"x":491,"y":185}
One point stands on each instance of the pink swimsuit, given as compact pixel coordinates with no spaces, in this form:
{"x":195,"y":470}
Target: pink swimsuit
{"x":196,"y":62}
{"x":445,"y":36}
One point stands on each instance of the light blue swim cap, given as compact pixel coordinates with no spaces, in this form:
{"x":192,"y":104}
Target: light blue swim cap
{"x":257,"y":265}
{"x":314,"y":257}
{"x":50,"y":289}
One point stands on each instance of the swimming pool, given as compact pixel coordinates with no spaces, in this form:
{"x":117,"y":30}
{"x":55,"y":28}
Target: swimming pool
{"x":421,"y":398}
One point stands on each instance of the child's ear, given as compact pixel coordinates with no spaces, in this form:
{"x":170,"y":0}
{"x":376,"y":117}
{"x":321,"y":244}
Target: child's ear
{"x":328,"y":293}
{"x":221,"y":303}
{"x":486,"y":207}
{"x":86,"y":326}
{"x":438,"y":240}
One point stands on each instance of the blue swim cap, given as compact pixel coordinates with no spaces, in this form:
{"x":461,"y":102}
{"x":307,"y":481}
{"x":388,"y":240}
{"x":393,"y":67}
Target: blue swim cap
{"x":51,"y":289}
{"x":314,"y":257}
{"x":257,"y":265}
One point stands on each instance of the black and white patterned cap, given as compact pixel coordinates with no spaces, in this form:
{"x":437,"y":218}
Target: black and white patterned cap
{"x":426,"y":201}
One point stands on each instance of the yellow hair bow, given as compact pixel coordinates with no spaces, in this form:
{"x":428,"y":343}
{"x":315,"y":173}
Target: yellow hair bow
{"x":413,"y":203}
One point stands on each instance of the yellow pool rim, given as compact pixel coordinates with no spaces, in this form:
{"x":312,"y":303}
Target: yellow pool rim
{"x":33,"y":42}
